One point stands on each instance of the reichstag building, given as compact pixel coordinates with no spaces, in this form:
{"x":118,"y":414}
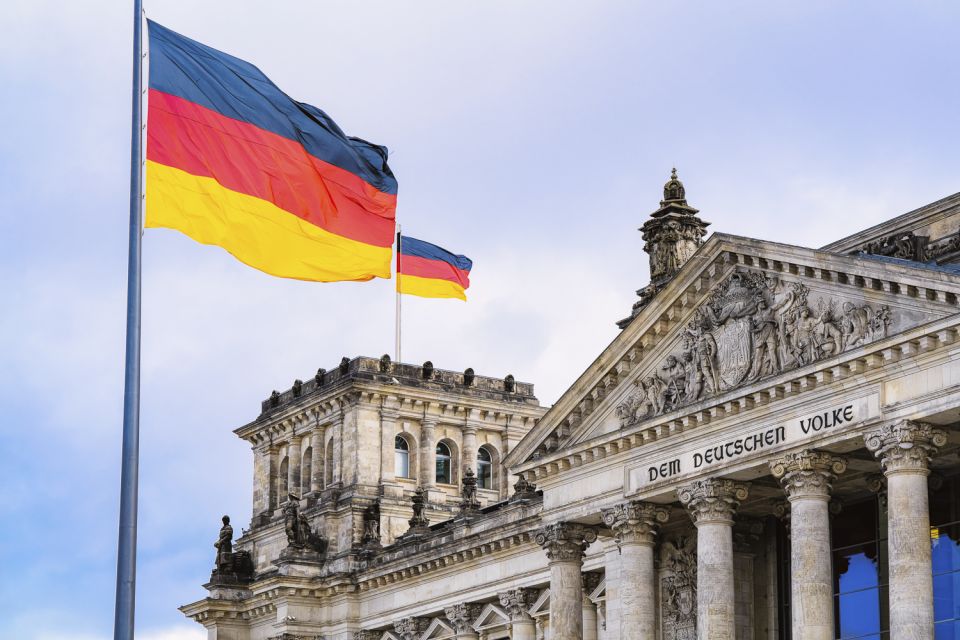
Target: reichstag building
{"x":767,"y":450}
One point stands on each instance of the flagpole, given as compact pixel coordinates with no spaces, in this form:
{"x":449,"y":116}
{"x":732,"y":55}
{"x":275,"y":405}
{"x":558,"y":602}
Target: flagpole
{"x":129,"y":471}
{"x":397,"y":333}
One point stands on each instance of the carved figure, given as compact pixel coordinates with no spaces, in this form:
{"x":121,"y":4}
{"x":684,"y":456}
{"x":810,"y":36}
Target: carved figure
{"x":384,"y":363}
{"x":752,"y":326}
{"x":319,"y":377}
{"x":766,"y":348}
{"x":344,"y":365}
{"x":468,"y":377}
{"x":468,"y":493}
{"x":427,"y":371}
{"x":224,"y":545}
{"x":509,"y":384}
{"x":297,"y":388}
{"x":371,"y":524}
{"x":679,"y":589}
{"x":297,"y":528}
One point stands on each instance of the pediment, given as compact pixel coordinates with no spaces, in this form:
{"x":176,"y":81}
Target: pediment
{"x":740,"y":312}
{"x":439,"y":629}
{"x":491,"y":617}
{"x":540,"y":606}
{"x":389,"y":635}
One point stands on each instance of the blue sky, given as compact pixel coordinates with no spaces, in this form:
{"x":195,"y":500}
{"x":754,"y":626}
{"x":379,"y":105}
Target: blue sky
{"x":532,"y":136}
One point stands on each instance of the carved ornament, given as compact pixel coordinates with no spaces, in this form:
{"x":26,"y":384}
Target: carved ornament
{"x":516,"y":602}
{"x":565,"y":541}
{"x":462,"y":616}
{"x":807,"y":474}
{"x":678,"y":561}
{"x":713,"y":500}
{"x":752,"y":327}
{"x":905,"y":445}
{"x":635,"y":522}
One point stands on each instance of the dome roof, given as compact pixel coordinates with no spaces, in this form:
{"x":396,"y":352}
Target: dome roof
{"x":673,"y":190}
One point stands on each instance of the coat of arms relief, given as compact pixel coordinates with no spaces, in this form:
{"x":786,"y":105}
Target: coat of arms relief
{"x":753,"y":326}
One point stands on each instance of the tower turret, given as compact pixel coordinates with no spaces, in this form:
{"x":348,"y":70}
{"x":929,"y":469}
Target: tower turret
{"x":671,"y":236}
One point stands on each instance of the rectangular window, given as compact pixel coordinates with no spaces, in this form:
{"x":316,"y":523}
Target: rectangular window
{"x":945,"y":554}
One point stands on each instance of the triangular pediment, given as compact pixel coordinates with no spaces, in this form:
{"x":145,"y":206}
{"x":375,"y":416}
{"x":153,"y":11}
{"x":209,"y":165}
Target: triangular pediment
{"x":540,"y":606}
{"x":739,"y":312}
{"x":439,"y":629}
{"x":389,"y":635}
{"x":491,"y":617}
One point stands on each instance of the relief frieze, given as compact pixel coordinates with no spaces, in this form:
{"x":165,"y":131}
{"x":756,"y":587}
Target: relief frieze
{"x":752,"y":327}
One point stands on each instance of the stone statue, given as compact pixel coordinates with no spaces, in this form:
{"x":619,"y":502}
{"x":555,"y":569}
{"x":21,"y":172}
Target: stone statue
{"x":371,"y":524}
{"x":275,"y":398}
{"x":385,"y":363}
{"x":766,"y":348}
{"x":297,"y":388}
{"x":344,"y":366}
{"x":679,"y":589}
{"x":231,"y":567}
{"x":468,"y":493}
{"x":319,"y":377}
{"x":224,"y":545}
{"x":509,"y":384}
{"x":468,"y":377}
{"x":297,"y":527}
{"x":419,"y":524}
{"x":427,"y":370}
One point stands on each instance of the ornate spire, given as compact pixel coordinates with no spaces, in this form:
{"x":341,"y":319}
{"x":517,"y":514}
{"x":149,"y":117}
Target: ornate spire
{"x":671,"y":236}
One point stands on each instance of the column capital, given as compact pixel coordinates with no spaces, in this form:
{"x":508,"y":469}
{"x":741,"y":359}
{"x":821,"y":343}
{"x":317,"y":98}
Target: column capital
{"x":411,"y":628}
{"x":366,"y":635}
{"x":517,"y":602}
{"x":635,"y":522}
{"x":905,"y":446}
{"x":713,"y":500}
{"x":462,"y":616}
{"x":565,"y":541}
{"x":807,"y":474}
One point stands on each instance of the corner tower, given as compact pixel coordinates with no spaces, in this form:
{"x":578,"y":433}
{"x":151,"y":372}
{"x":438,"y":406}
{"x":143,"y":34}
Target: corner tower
{"x":671,"y":236}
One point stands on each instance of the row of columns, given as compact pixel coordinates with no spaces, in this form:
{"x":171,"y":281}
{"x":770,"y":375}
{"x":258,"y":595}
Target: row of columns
{"x":807,"y":477}
{"x":266,"y":468}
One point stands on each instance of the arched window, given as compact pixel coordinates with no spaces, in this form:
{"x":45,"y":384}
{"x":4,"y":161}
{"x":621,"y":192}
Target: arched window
{"x":444,"y":464}
{"x":401,"y":457}
{"x":484,"y":469}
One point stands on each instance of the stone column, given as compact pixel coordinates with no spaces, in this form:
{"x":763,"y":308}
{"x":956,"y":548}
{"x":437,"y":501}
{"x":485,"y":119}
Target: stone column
{"x":469,"y":449}
{"x":261,"y":483}
{"x":712,"y":504}
{"x":388,"y":437}
{"x":904,"y":450}
{"x":428,"y":453}
{"x":517,"y":603}
{"x":462,"y":617}
{"x":807,"y":478}
{"x":316,"y":460}
{"x":293,"y":466}
{"x":590,"y":582}
{"x":273,"y":465}
{"x":565,"y":544}
{"x":612,"y":566}
{"x":635,"y":525}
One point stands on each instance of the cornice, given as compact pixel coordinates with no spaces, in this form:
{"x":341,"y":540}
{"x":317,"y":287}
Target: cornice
{"x":925,"y":215}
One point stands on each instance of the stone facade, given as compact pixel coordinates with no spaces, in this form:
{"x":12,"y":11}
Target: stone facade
{"x":690,"y":484}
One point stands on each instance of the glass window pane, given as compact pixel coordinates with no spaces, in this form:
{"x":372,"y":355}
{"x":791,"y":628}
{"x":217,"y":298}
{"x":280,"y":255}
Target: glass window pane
{"x":947,"y":630}
{"x":443,"y":450}
{"x":856,"y":568}
{"x":946,"y":596}
{"x":402,"y":462}
{"x":945,"y":502}
{"x":946,"y":548}
{"x":443,"y":470}
{"x":484,"y":475}
{"x":401,"y":443}
{"x":858,"y":613}
{"x":483,"y":455}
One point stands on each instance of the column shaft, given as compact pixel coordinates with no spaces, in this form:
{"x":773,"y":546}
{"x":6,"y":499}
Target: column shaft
{"x":904,"y":450}
{"x":316,"y":459}
{"x":712,"y":504}
{"x":566,"y":595}
{"x":261,"y":482}
{"x":428,"y":454}
{"x":293,"y":466}
{"x":388,"y":435}
{"x":523,"y":629}
{"x":911,"y":569}
{"x":469,"y":449}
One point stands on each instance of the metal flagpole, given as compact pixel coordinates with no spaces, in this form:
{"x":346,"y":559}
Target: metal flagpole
{"x":127,"y":537}
{"x":397,"y":335}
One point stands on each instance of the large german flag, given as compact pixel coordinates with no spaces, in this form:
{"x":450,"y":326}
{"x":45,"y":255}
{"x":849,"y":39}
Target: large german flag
{"x":233,"y":161}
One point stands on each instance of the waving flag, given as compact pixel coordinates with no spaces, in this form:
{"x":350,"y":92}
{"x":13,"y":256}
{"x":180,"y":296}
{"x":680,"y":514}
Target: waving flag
{"x":233,"y":161}
{"x":429,"y":271}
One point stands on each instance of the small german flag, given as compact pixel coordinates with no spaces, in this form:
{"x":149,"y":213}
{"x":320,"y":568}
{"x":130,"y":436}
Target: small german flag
{"x":429,"y":271}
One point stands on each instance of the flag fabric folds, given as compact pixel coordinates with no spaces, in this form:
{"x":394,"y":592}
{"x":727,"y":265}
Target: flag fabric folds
{"x":429,"y":271}
{"x":233,"y":161}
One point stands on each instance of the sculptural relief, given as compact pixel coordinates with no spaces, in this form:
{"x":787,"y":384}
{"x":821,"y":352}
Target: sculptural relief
{"x":299,"y":534}
{"x":753,"y":326}
{"x":678,"y":563}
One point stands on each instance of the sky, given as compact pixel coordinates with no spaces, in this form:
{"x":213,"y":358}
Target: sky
{"x":534,"y":137}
